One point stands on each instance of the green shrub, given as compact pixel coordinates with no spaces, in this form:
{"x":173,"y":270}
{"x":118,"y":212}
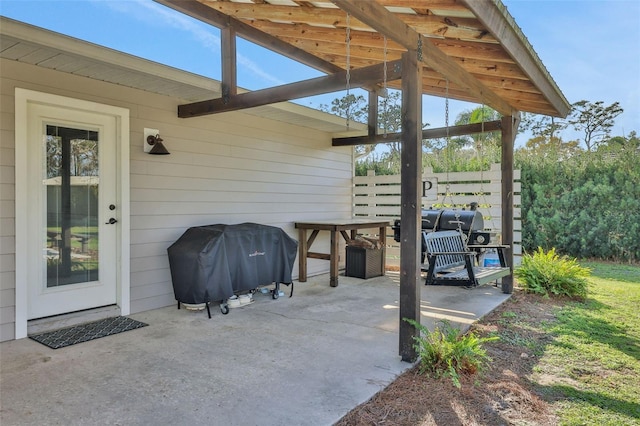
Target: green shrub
{"x":544,"y":273}
{"x":586,"y":206}
{"x":447,"y":352}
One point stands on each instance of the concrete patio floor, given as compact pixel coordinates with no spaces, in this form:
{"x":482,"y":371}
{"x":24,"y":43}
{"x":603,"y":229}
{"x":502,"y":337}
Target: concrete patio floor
{"x":305,"y":360}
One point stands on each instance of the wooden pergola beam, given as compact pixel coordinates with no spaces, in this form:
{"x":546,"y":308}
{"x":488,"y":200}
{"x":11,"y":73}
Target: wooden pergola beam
{"x":421,"y":4}
{"x":380,"y":19}
{"x":229,"y":62}
{"x":435,"y":133}
{"x":213,"y":17}
{"x":309,"y":33}
{"x":331,"y":83}
{"x":455,"y":27}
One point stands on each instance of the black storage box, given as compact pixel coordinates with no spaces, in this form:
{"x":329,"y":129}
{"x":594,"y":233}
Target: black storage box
{"x":363,"y":262}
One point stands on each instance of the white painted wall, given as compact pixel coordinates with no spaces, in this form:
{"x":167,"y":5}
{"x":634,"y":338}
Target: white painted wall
{"x":226,"y":168}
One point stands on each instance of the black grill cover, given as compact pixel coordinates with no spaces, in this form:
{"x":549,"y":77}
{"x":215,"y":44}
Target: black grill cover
{"x":211,"y":263}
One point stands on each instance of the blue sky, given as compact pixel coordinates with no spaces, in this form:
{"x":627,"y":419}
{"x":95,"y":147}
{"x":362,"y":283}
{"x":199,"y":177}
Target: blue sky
{"x":590,"y":47}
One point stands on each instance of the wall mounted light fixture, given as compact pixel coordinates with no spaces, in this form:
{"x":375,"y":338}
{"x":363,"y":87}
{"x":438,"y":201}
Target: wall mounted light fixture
{"x":158,"y":147}
{"x":153,"y":142}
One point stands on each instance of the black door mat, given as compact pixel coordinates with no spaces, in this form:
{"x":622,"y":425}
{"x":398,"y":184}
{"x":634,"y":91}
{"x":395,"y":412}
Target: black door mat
{"x":84,"y":332}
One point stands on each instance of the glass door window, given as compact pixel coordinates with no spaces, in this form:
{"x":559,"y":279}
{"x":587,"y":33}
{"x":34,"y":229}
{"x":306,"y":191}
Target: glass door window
{"x":71,"y":189}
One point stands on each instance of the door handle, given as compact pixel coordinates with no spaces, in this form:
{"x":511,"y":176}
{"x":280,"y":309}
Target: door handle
{"x":111,"y":221}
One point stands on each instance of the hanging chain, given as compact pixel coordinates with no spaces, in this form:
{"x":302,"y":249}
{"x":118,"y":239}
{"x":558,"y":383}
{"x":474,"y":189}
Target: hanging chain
{"x":446,"y":109}
{"x":481,"y":152}
{"x":448,"y":147}
{"x":481,"y":155}
{"x":482,"y":137}
{"x":481,"y":140}
{"x":384,"y":89}
{"x":348,"y":42}
{"x":385,"y":65}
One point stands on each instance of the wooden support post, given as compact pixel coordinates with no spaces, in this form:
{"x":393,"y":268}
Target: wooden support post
{"x":229,"y":74}
{"x":410,"y":213}
{"x":334,"y":259}
{"x":303,"y":249}
{"x":509,"y":131}
{"x":372,"y":121}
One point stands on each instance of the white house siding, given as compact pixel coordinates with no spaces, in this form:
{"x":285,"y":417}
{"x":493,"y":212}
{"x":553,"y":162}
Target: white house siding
{"x":226,"y":168}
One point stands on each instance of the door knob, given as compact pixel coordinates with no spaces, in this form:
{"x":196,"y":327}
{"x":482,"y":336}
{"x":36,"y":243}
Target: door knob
{"x":111,"y":221}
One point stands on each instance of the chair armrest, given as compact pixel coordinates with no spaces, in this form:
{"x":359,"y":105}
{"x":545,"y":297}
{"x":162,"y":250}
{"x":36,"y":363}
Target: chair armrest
{"x":437,"y":253}
{"x":491,"y":246}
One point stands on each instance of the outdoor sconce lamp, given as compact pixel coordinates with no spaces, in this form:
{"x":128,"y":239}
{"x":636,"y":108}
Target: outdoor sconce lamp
{"x":153,"y":143}
{"x":156,"y":143}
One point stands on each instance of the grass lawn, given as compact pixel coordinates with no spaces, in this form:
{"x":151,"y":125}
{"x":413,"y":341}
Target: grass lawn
{"x":558,"y":361}
{"x":88,"y":231}
{"x":590,"y":367}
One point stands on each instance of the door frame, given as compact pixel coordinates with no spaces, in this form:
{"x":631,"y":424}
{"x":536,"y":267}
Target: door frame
{"x":23,"y":98}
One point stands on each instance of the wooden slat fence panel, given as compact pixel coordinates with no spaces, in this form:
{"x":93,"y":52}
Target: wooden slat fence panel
{"x":366,"y":200}
{"x":470,"y":188}
{"x":379,"y":197}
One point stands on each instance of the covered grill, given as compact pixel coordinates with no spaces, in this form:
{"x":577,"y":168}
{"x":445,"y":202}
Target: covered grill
{"x":213,"y":262}
{"x":471,"y":224}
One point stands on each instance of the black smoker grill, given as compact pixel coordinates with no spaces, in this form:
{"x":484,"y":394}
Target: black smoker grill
{"x":213,"y":262}
{"x":470,"y":222}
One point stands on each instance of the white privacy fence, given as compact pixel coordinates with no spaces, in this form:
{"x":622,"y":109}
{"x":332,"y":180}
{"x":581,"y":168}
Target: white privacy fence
{"x":379,"y":197}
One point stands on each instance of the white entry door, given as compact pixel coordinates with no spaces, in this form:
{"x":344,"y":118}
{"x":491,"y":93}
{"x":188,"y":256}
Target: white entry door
{"x":72,"y":212}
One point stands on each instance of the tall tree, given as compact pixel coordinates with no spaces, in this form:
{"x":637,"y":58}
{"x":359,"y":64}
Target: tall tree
{"x":622,"y":144}
{"x":389,"y":118}
{"x":553,"y":149}
{"x":594,"y":120}
{"x":544,"y":126}
{"x":485,"y":144}
{"x":352,"y":108}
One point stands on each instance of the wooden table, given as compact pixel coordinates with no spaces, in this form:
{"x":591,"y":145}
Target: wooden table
{"x":335,"y":227}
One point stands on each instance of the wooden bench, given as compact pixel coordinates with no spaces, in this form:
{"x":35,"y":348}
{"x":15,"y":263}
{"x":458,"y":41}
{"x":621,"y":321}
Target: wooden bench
{"x":450,"y":262}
